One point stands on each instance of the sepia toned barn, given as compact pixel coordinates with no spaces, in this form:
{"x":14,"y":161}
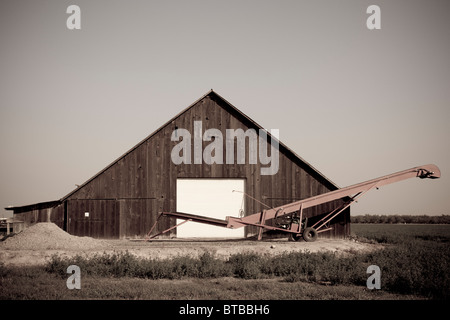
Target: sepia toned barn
{"x":124,"y":199}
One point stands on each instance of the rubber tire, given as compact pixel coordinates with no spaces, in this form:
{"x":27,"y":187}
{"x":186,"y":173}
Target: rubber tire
{"x":310,"y":234}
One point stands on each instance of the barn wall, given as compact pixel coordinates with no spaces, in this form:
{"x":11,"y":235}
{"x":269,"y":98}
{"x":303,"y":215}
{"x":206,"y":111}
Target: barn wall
{"x":55,"y":215}
{"x":143,"y":182}
{"x":102,"y":220}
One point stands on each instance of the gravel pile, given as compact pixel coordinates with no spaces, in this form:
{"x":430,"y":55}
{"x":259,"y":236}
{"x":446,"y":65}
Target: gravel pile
{"x":48,"y":236}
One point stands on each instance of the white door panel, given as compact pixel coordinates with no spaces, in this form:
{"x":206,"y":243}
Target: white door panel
{"x":212,"y":198}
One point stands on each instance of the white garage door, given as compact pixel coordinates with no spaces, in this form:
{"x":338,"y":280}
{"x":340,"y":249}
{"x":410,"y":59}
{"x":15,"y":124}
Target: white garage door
{"x":212,"y":198}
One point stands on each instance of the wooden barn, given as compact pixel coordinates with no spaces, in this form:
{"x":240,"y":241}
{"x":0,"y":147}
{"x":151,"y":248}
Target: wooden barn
{"x":165,"y":173}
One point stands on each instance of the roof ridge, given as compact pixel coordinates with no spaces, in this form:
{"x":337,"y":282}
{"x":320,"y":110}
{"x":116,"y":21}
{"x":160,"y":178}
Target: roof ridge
{"x":210,"y":92}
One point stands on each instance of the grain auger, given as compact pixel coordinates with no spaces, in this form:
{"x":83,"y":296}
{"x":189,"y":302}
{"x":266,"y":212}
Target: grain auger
{"x":289,"y":217}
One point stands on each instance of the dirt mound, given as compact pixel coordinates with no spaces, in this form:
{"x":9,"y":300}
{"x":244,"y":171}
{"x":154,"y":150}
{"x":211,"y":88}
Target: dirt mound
{"x":48,"y":236}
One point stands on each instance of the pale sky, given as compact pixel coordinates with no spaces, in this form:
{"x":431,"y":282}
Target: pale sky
{"x":354,"y":103}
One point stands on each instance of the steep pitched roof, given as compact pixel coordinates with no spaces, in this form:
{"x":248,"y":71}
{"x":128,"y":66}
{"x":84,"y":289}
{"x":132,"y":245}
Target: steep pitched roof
{"x":236,"y":112}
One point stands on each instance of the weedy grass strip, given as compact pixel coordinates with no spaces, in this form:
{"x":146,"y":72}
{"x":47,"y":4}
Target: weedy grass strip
{"x":418,"y":267}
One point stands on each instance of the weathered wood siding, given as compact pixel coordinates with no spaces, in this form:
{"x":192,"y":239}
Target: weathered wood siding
{"x":55,"y":215}
{"x":125,"y":198}
{"x":102,"y":220}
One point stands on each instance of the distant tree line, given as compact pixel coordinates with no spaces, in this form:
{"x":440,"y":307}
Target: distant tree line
{"x":423,"y":219}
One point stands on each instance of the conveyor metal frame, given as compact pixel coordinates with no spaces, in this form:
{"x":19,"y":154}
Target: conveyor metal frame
{"x":298,"y":227}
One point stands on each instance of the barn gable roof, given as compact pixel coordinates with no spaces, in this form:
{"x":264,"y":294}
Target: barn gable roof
{"x":234,"y":111}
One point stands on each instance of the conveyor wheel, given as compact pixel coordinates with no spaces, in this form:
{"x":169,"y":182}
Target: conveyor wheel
{"x":310,"y":234}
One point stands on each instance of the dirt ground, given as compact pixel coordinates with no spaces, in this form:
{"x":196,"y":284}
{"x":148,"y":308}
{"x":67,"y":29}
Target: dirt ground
{"x":36,"y":245}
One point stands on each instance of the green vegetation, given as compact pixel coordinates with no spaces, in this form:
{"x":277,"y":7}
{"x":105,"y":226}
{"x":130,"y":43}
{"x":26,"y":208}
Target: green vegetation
{"x":414,"y":262}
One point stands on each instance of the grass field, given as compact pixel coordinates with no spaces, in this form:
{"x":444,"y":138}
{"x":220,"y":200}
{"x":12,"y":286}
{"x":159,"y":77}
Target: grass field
{"x":414,"y":265}
{"x":402,"y":233}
